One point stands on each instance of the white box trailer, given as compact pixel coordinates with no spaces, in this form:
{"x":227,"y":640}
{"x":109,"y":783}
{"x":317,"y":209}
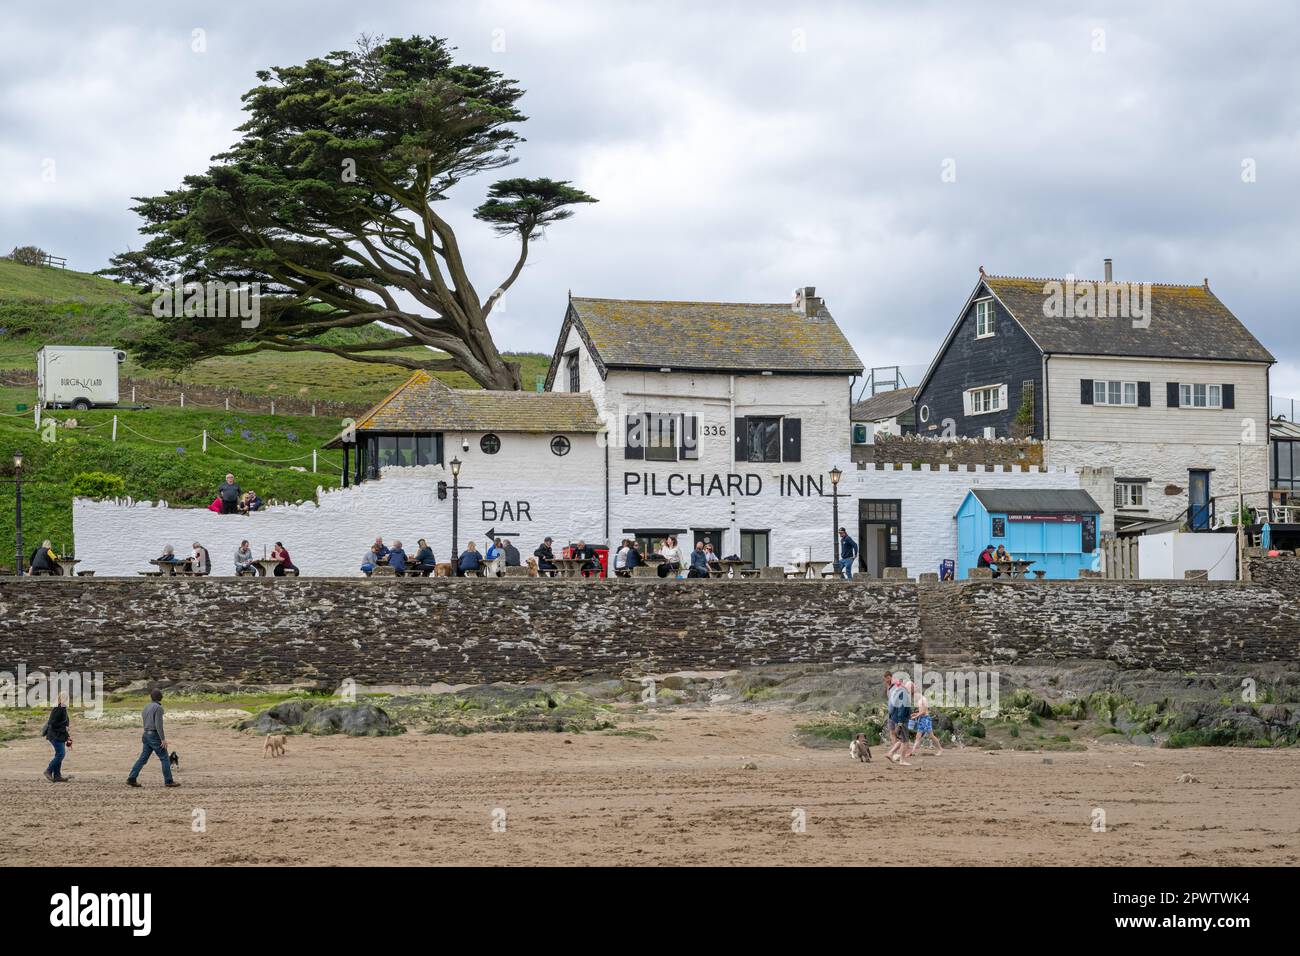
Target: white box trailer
{"x":77,"y":376}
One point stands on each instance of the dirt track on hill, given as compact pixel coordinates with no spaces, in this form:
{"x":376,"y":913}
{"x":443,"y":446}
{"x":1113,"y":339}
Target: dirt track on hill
{"x":682,"y":798}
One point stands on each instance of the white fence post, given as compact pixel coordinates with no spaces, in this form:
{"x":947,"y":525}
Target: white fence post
{"x":182,"y":399}
{"x":313,"y":460}
{"x":227,"y":403}
{"x":205,"y":440}
{"x":114,"y":428}
{"x":132,"y":394}
{"x":273,"y":408}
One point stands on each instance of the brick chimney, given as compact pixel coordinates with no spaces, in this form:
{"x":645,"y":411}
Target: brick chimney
{"x":1107,"y":264}
{"x":806,"y":301}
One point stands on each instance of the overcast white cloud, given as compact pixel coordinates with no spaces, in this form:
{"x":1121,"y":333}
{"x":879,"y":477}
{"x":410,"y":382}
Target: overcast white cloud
{"x":746,"y":148}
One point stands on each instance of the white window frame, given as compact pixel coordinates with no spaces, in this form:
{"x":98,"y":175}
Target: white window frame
{"x":985,"y":326}
{"x":985,"y":400}
{"x":1101,"y":392}
{"x":1130,"y":494}
{"x":1211,"y":395}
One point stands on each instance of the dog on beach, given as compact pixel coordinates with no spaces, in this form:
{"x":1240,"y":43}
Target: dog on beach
{"x":859,"y":750}
{"x":175,"y":759}
{"x":274,"y":746}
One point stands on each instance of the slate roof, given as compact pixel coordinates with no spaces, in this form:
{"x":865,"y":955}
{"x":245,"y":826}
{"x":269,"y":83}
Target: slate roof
{"x":424,"y":404}
{"x":884,"y":405}
{"x":1036,"y":501}
{"x":1187,"y":322}
{"x":712,"y":336}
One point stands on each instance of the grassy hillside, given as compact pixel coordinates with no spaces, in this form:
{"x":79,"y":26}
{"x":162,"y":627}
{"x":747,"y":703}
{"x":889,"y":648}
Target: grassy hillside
{"x":168,"y":464}
{"x":58,"y":307}
{"x":165,"y":460}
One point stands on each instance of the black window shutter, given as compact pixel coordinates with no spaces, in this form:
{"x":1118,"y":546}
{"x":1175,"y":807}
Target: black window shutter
{"x":690,"y":438}
{"x":1171,"y":394}
{"x":742,"y":449}
{"x":1085,"y":391}
{"x":634,"y":447}
{"x":1229,"y":396}
{"x":1144,"y":394}
{"x":791,"y":429}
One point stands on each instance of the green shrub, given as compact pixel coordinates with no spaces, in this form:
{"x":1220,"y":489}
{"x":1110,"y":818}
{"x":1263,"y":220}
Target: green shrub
{"x":97,"y":484}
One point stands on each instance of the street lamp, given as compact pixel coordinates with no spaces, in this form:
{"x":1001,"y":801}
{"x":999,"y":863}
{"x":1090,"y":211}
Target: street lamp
{"x":18,"y":512}
{"x":836,"y":474}
{"x":455,"y":508}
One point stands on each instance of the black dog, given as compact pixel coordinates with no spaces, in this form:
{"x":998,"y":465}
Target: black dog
{"x":175,"y":759}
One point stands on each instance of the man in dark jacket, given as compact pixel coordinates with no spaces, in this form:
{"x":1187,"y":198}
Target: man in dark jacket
{"x":154,"y":740}
{"x":397,"y":559}
{"x":545,"y":556}
{"x":229,"y":493}
{"x":848,"y":555}
{"x":512,"y":554}
{"x":699,"y":567}
{"x":42,"y":561}
{"x":424,"y":561}
{"x":585,"y":551}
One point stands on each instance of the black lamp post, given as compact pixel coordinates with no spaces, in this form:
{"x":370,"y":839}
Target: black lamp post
{"x":455,"y":509}
{"x":18,"y":512}
{"x":835,"y":513}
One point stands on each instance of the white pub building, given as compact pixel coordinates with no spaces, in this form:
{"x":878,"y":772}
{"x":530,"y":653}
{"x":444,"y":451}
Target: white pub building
{"x":706,"y":420}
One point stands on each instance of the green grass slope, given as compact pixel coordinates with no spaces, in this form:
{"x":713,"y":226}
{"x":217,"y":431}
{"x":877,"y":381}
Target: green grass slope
{"x":40,"y":306}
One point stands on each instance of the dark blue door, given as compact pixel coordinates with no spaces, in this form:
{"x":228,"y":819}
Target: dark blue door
{"x":1198,"y":500}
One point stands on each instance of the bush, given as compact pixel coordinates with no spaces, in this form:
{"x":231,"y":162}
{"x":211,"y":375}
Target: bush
{"x":28,"y":255}
{"x":97,"y":485}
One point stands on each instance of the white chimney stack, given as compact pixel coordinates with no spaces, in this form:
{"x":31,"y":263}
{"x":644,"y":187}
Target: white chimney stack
{"x":806,"y":301}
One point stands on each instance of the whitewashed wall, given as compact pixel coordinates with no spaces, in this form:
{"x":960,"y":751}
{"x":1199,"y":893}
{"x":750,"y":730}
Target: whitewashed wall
{"x":1173,"y":553}
{"x":565,"y":498}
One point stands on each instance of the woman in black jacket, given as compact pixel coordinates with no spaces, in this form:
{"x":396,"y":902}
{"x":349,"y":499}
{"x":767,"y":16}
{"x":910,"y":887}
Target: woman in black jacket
{"x":58,"y":732}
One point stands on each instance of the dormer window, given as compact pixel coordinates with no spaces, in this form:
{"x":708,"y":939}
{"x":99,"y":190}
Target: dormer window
{"x":984,"y":319}
{"x":571,"y":363}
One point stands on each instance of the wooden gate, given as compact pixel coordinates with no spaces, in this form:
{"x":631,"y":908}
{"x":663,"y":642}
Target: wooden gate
{"x":1120,"y":558}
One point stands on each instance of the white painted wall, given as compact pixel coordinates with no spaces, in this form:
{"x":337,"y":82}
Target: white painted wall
{"x":565,"y":498}
{"x":1171,"y":554}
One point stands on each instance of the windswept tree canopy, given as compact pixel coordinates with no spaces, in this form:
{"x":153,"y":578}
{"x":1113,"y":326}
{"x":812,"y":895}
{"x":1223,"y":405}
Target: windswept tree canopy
{"x":328,"y":202}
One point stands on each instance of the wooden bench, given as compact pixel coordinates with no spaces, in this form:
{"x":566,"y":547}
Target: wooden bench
{"x":150,"y":574}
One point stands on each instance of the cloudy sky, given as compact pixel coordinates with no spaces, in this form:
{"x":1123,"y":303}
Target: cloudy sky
{"x":744,"y":150}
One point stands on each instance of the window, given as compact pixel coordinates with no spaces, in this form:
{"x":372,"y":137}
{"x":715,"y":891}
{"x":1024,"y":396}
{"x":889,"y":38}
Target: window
{"x":981,"y":401}
{"x":754,"y":548}
{"x":763,"y":438}
{"x":489,"y":444}
{"x":1114,"y":393}
{"x":999,"y":527}
{"x":571,"y":363}
{"x":1285,"y":461}
{"x":983,"y":318}
{"x":661,"y":438}
{"x":1200,"y":396}
{"x":560,"y":445}
{"x":1130,"y":494}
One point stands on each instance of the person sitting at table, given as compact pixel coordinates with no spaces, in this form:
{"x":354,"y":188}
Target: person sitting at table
{"x":634,"y":556}
{"x":43,"y":560}
{"x":381,"y":549}
{"x":708,"y":553}
{"x":495,"y":557}
{"x":699,"y":567}
{"x":470,"y":561}
{"x":424,"y":560}
{"x":620,"y":560}
{"x":244,"y":560}
{"x":545,"y":556}
{"x":169,"y":555}
{"x":397,"y":559}
{"x":672,"y":556}
{"x":370,"y":560}
{"x":201,"y":561}
{"x":512,"y":555}
{"x":986,"y":559}
{"x":588,"y":554}
{"x":1003,"y":555}
{"x":281,"y":554}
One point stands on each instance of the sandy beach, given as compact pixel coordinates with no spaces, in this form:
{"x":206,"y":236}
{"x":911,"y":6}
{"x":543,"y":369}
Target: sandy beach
{"x":673,"y":791}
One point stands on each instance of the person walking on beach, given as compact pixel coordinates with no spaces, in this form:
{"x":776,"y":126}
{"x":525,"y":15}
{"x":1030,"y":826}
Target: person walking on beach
{"x":155,"y":741}
{"x":900,"y":712}
{"x":887,"y":732}
{"x":923,"y":725}
{"x":58,"y":731}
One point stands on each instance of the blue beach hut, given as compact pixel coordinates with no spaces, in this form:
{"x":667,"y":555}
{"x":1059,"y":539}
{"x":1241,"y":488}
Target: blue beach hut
{"x":1055,"y":529}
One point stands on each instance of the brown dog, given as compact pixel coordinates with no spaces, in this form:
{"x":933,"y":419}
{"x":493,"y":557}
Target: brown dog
{"x":274,"y":746}
{"x":859,"y":750}
{"x":442,"y":569}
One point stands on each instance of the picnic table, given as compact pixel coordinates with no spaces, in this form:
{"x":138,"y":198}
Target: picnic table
{"x":266,"y":566}
{"x":1012,"y":569}
{"x":68,"y":565}
{"x":570,"y":567}
{"x":170,"y":569}
{"x":804,"y":569}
